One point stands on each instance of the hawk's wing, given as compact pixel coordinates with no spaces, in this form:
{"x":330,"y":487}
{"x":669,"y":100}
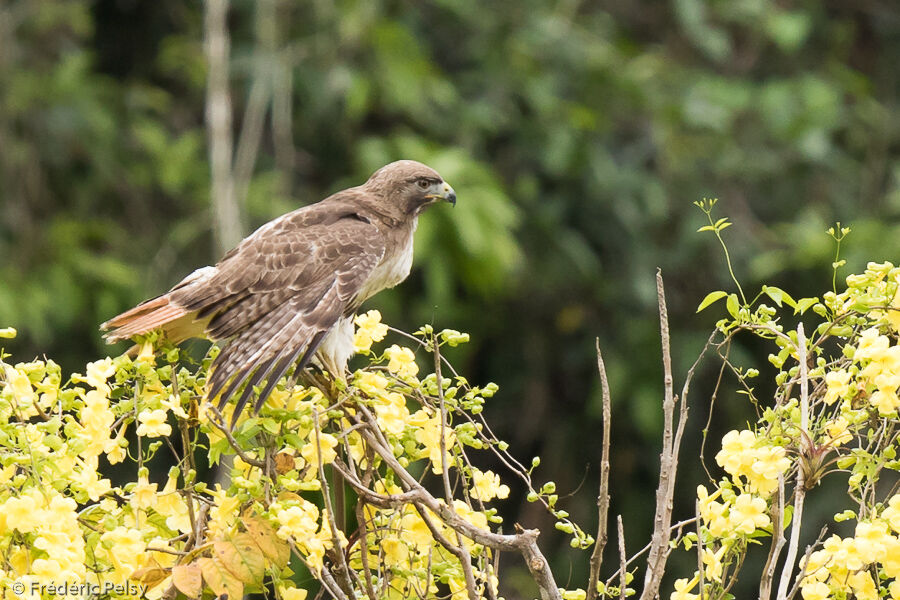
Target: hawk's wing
{"x":277,"y":295}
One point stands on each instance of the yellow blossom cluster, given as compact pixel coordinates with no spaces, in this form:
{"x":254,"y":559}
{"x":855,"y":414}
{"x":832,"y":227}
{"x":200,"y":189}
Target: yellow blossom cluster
{"x":751,"y":459}
{"x":846,"y":565}
{"x":62,"y":519}
{"x":369,"y":329}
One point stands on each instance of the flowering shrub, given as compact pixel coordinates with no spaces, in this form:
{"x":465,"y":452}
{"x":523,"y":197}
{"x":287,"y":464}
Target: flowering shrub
{"x":366,"y":487}
{"x":313,"y":446}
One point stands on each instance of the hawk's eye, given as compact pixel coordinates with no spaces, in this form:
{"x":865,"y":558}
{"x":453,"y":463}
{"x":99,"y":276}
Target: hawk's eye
{"x":423,"y":184}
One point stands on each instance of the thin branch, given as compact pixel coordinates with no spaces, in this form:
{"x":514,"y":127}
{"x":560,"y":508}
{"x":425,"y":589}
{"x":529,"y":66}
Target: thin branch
{"x":219,"y":423}
{"x":603,"y":497}
{"x":343,"y":570}
{"x":700,"y":569}
{"x":623,"y":573}
{"x":668,"y":461}
{"x":800,"y":486}
{"x":778,"y":541}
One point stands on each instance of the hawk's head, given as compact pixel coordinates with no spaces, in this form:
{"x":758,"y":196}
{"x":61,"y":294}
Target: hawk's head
{"x":410,"y":186}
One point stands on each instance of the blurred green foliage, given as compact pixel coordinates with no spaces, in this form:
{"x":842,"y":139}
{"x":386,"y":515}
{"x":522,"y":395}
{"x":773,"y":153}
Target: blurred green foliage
{"x":577,"y":134}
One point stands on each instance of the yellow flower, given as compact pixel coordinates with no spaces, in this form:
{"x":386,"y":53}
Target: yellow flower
{"x":115,"y":448}
{"x":153,"y":424}
{"x":173,"y":403}
{"x":225,"y":512}
{"x":894,"y":589}
{"x":863,"y":586}
{"x":486,"y":486}
{"x":892,"y":513}
{"x":871,"y":539}
{"x":401,"y":362}
{"x":713,"y":562}
{"x":373,"y":384}
{"x":369,"y":329}
{"x":98,"y":372}
{"x":125,"y":548}
{"x":845,"y":555}
{"x":45,"y":570}
{"x":18,"y":383}
{"x":748,"y":514}
{"x":890,"y":563}
{"x":310,"y":452}
{"x":838,"y":383}
{"x":837,"y":432}
{"x":476,"y":518}
{"x":143,"y":496}
{"x":396,"y":552}
{"x":713,"y":513}
{"x":415,"y":531}
{"x":299,"y":521}
{"x":20,"y":514}
{"x":815,"y":591}
{"x":737,"y":455}
{"x":393,"y":415}
{"x":430,"y":436}
{"x":89,"y":479}
{"x":885,"y":401}
{"x":769,"y":463}
{"x":871,"y":344}
{"x":292,"y":593}
{"x":683,"y":588}
{"x":171,"y":504}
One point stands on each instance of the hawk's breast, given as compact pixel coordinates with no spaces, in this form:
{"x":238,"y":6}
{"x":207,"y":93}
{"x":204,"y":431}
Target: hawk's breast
{"x":392,"y":269}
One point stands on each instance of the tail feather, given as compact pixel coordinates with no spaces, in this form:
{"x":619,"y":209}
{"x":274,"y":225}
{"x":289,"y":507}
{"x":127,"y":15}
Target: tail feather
{"x":145,"y":317}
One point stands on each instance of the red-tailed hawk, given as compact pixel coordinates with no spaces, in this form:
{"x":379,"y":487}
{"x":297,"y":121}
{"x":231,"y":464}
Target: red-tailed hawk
{"x":290,"y":290}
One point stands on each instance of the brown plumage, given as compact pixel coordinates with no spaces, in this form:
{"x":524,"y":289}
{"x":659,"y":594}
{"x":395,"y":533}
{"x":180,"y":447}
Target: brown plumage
{"x":291,"y":288}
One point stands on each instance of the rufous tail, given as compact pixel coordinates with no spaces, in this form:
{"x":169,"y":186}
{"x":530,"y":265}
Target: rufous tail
{"x":158,"y":313}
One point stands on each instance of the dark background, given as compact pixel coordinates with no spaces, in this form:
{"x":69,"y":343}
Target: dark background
{"x":577,"y":136}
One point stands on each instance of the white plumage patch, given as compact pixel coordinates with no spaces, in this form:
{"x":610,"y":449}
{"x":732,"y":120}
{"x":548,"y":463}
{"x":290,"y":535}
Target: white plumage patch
{"x":337,"y":347}
{"x":392,"y":270}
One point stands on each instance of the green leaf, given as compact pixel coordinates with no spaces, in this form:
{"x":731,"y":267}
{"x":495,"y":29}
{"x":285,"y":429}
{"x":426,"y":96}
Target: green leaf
{"x":779,"y":296}
{"x":732,"y":305}
{"x":788,"y":515}
{"x":803,"y":305}
{"x":710,"y":298}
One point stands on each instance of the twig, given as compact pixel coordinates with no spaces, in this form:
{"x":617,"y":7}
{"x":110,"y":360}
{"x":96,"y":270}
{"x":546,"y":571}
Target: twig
{"x":328,"y":583}
{"x":364,"y":548}
{"x":700,"y":569}
{"x":668,"y":461}
{"x":676,"y":527}
{"x":809,"y":551}
{"x":445,"y":467}
{"x":800,"y":486}
{"x":343,"y":571}
{"x":623,"y":573}
{"x":218,"y":422}
{"x":768,"y":577}
{"x":603,"y":497}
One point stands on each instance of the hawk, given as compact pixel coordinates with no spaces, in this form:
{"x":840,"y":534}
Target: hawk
{"x":289,"y":291}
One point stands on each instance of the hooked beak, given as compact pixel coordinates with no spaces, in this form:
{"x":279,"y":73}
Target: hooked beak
{"x":443,"y":191}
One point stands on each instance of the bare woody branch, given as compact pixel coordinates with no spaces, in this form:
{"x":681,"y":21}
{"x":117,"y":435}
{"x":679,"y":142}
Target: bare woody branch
{"x":603,"y":497}
{"x":524,"y":542}
{"x":668,"y":460}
